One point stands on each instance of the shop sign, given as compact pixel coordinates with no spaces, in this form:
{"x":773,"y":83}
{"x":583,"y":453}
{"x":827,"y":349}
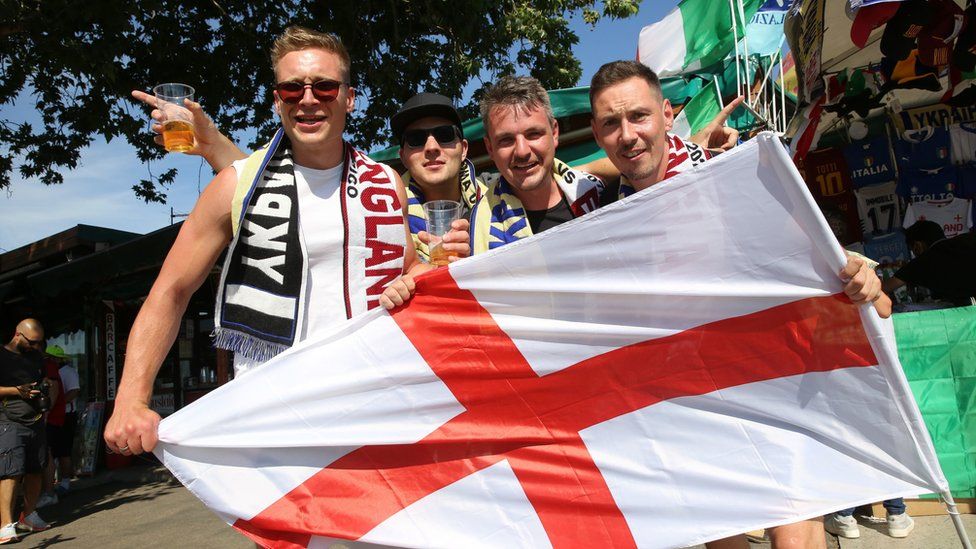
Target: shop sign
{"x":110,"y":366}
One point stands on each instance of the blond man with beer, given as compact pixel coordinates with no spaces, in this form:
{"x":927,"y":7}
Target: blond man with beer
{"x":316,"y":234}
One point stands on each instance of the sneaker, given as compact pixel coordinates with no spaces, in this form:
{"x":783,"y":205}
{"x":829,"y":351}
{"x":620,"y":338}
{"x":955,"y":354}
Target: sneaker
{"x":843,"y":526}
{"x":9,"y":533}
{"x":900,"y":525}
{"x":46,"y":499}
{"x":32,"y":522}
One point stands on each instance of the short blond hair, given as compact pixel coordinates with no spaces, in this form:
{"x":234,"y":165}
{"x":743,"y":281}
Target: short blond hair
{"x":297,"y":38}
{"x":519,"y":92}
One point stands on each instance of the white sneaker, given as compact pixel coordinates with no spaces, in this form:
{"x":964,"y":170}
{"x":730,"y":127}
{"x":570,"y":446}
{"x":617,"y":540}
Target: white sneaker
{"x":9,"y":533}
{"x":46,"y":499}
{"x":32,"y":522}
{"x":843,"y":526}
{"x":900,"y":525}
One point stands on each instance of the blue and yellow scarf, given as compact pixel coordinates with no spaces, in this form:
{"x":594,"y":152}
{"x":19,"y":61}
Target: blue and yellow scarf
{"x":499,"y":218}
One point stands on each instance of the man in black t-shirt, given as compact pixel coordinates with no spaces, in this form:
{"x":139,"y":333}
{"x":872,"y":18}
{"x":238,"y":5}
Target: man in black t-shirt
{"x":947,"y":266}
{"x":22,"y":443}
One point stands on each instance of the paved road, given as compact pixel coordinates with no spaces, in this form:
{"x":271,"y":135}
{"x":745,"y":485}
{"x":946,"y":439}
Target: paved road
{"x":124,"y":514}
{"x":143,"y":508}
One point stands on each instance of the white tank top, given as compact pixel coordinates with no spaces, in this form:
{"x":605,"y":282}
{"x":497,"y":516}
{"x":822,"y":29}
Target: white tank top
{"x":320,"y":220}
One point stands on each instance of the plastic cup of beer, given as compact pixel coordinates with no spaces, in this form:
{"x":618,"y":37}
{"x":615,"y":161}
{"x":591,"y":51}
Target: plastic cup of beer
{"x":177,"y":120}
{"x":440,"y":214}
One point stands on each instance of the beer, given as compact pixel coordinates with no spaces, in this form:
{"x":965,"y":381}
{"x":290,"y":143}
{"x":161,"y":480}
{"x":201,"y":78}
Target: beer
{"x":438,"y":255}
{"x":177,"y":135}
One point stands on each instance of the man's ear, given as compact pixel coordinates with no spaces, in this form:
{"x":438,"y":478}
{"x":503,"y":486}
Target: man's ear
{"x":464,"y":150}
{"x":668,"y":115}
{"x":351,"y":99}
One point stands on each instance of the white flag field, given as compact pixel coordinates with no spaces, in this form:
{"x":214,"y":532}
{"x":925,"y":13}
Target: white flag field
{"x":674,"y":368}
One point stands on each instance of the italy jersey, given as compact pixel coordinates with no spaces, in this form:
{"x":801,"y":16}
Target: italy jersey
{"x":890,"y":250}
{"x":920,"y":185}
{"x":923,"y":149}
{"x":829,"y":181}
{"x":878,"y":208}
{"x":955,"y":215}
{"x":963,"y":140}
{"x":870,"y":161}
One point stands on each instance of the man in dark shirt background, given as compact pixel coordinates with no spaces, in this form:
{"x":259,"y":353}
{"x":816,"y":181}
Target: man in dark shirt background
{"x":23,"y":452}
{"x":946,"y":266}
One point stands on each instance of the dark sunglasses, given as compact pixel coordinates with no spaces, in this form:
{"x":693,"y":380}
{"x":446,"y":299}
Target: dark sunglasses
{"x":323,"y":90}
{"x":445,"y":135}
{"x":31,"y":342}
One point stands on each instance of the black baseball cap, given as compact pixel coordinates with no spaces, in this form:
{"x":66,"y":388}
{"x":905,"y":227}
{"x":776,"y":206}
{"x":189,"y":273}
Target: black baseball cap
{"x":420,"y":106}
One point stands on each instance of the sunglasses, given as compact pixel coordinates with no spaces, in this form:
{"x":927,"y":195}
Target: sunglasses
{"x":31,"y":342}
{"x":445,"y":135}
{"x":323,"y":90}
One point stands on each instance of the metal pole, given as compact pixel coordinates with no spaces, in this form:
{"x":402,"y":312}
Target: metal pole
{"x":956,"y":520}
{"x":735,"y":36}
{"x":745,"y":45}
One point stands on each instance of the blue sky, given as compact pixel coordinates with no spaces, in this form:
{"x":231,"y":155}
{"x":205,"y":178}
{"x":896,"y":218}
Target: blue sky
{"x":99,"y":191}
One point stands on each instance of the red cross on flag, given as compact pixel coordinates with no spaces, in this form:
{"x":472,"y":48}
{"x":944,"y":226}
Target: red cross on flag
{"x":675,"y":368}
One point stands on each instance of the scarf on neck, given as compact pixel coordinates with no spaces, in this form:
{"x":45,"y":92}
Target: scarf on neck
{"x":682,"y":156}
{"x":416,"y":218}
{"x":261,"y":296}
{"x":499,"y":217}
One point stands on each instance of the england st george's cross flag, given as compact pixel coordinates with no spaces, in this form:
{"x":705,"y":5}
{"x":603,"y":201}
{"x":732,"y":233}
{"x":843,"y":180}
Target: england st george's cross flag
{"x":674,"y":368}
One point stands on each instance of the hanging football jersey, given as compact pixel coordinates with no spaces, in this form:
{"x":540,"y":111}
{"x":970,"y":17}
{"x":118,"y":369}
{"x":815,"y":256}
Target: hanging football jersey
{"x":870,"y":161}
{"x":963,"y":140}
{"x":920,"y":185}
{"x":828,"y":179}
{"x":923,"y":149}
{"x":877,"y":207}
{"x":955,"y":215}
{"x":888,"y":250}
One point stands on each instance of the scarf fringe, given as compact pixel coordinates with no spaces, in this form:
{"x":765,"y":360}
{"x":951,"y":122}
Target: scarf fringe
{"x":245,"y":344}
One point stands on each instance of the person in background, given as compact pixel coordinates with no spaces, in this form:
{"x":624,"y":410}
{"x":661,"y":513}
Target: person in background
{"x":946,"y":266}
{"x":61,"y":421}
{"x":23,"y":453}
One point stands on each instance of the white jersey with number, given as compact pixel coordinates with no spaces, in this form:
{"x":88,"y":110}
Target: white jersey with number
{"x":877,"y":206}
{"x":955,"y":215}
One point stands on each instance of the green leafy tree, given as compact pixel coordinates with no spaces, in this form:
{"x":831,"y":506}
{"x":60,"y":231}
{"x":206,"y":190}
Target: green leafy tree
{"x":77,"y":61}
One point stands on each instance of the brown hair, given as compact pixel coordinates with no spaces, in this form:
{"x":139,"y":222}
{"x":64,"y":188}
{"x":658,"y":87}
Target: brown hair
{"x":521,"y":92}
{"x":616,"y":72}
{"x":296,"y":38}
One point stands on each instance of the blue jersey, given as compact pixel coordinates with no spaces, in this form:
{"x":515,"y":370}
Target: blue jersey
{"x":921,"y":185}
{"x":888,"y":250}
{"x":924,"y":149}
{"x":870,"y":162}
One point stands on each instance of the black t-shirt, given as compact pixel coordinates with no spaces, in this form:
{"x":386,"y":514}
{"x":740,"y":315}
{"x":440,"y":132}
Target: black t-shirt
{"x":18,"y":369}
{"x":948,"y":268}
{"x":540,"y":220}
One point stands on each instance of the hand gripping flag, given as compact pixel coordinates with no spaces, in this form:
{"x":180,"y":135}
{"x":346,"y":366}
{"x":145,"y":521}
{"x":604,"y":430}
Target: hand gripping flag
{"x":677,"y":367}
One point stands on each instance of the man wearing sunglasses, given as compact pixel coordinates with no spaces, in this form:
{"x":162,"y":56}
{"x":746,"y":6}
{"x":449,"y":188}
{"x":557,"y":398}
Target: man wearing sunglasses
{"x":316,"y":233}
{"x":434,"y":151}
{"x":22,"y":441}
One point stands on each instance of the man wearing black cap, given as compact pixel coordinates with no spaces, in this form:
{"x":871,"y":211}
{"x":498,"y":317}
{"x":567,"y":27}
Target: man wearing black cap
{"x":434,"y":151}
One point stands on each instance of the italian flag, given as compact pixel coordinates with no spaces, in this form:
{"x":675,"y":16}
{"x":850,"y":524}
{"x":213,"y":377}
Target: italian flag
{"x":697,"y":112}
{"x":694,"y":35}
{"x":677,"y":367}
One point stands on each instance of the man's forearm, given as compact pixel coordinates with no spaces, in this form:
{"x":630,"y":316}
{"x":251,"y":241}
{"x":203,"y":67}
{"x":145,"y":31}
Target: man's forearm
{"x":223,"y":154}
